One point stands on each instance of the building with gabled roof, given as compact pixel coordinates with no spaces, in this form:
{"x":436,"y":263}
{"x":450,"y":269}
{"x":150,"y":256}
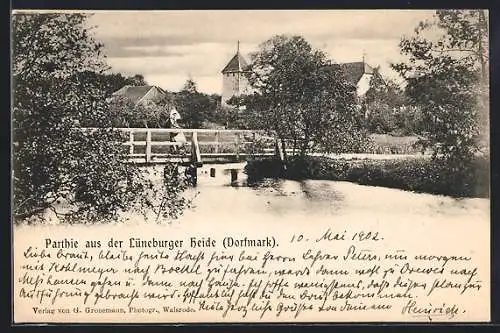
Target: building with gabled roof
{"x":141,"y":94}
{"x":235,"y":77}
{"x":360,"y":74}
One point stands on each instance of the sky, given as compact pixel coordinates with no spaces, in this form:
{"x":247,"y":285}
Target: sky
{"x":168,"y":47}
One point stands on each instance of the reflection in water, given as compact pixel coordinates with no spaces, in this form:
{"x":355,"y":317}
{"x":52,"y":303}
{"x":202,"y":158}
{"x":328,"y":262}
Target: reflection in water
{"x":281,"y":198}
{"x":322,"y":194}
{"x":320,"y":191}
{"x":278,"y":199}
{"x":308,"y":196}
{"x":270,"y":185}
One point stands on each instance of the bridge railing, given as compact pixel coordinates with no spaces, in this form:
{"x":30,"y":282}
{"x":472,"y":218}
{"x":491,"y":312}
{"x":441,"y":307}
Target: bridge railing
{"x":158,"y":144}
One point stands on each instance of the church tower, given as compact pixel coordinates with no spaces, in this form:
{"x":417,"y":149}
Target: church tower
{"x":234,"y":77}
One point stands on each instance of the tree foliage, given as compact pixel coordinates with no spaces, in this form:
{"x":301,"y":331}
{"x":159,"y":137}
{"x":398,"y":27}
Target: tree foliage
{"x":388,"y":110}
{"x":194,"y":107}
{"x":384,"y":91}
{"x":126,"y":113}
{"x":112,"y":82}
{"x":447,"y":77}
{"x":54,"y":93}
{"x":136,"y":80}
{"x":301,"y":96}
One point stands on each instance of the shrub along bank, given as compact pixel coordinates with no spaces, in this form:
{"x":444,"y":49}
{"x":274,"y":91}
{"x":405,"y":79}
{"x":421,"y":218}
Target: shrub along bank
{"x":413,"y":174}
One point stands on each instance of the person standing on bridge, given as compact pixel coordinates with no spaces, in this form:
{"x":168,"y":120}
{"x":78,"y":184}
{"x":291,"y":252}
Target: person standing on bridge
{"x":174,"y":117}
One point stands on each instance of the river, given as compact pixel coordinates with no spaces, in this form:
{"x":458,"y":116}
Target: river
{"x":280,"y":202}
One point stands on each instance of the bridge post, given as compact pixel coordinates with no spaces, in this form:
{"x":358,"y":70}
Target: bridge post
{"x":280,"y":152}
{"x":195,"y":150}
{"x":238,"y":146}
{"x":148,"y":146}
{"x":216,"y":149}
{"x":131,"y":139}
{"x":234,"y":175}
{"x":279,"y":149}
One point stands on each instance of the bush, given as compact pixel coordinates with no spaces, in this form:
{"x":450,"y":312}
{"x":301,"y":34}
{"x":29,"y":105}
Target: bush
{"x":166,"y":199}
{"x":388,"y":144}
{"x":258,"y":169}
{"x":416,"y":174}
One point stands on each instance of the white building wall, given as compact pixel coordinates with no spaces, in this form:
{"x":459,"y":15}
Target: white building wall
{"x":233,"y":84}
{"x":363,"y":84}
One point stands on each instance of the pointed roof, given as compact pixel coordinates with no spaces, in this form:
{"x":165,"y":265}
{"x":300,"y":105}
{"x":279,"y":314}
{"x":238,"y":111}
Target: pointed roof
{"x":136,"y":93}
{"x":355,"y":70}
{"x":236,"y":64}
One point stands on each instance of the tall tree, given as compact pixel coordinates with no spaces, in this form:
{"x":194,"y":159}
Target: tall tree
{"x":447,"y":77}
{"x":387,"y":109}
{"x":115,"y":81}
{"x":194,"y":107}
{"x":301,"y":96}
{"x":126,"y":113}
{"x":111,"y":82}
{"x":136,"y":80}
{"x":53,"y":95}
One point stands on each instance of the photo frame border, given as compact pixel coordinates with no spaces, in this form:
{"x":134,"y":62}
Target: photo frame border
{"x":295,"y":5}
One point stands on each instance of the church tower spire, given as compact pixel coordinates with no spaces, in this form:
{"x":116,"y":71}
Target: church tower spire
{"x":234,"y":76}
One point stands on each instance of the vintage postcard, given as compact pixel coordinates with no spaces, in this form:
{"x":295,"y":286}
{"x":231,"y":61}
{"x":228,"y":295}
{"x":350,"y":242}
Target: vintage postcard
{"x":250,"y":166}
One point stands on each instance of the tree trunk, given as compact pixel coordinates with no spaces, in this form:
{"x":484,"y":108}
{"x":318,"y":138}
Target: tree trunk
{"x":283,"y":148}
{"x":303,"y":149}
{"x":482,"y":24}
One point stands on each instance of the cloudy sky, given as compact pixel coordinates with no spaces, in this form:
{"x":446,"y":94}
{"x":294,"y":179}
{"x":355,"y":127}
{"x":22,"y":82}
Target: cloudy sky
{"x":167,"y":47}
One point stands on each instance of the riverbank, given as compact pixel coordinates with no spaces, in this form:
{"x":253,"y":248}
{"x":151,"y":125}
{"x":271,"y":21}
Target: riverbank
{"x":421,"y":175}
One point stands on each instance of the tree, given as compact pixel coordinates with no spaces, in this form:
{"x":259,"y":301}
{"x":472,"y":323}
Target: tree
{"x":194,"y":107}
{"x":384,"y":91}
{"x":302,"y":97}
{"x":447,"y":78}
{"x":378,"y":103}
{"x":53,"y":95}
{"x":157,"y":113}
{"x":136,"y":80}
{"x":112,"y":82}
{"x":126,"y":113}
{"x":387,"y":108}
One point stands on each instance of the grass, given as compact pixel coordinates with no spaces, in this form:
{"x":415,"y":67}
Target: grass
{"x":388,"y":144}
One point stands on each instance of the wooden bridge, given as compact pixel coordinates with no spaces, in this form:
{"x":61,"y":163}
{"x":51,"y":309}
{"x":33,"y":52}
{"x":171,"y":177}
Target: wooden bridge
{"x":155,"y":145}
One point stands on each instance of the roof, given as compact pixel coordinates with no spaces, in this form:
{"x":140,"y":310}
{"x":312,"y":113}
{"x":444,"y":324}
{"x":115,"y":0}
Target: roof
{"x":236,"y":64}
{"x":136,"y":93}
{"x":355,"y":70}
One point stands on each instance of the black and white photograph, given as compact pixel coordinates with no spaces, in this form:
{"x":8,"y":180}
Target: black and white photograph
{"x":250,"y":166}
